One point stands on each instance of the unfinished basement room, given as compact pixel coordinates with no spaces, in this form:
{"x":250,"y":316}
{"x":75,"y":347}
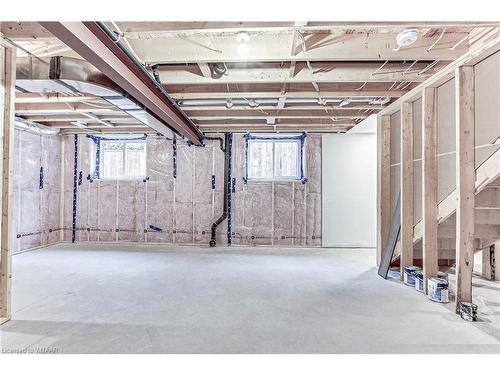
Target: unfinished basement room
{"x":249,"y":187}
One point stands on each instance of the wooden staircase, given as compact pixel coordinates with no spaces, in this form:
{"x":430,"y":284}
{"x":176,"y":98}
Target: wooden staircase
{"x":487,"y":216}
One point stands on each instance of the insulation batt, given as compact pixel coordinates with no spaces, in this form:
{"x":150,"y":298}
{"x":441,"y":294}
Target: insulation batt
{"x":185,"y":207}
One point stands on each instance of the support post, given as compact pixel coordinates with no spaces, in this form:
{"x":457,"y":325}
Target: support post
{"x":406,"y":186}
{"x":429,"y":185}
{"x":486,"y":255}
{"x":466,"y":175}
{"x":383,"y":182}
{"x":7,"y":98}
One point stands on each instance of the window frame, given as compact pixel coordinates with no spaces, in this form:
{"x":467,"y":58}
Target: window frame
{"x":98,"y":158}
{"x":273,"y":138}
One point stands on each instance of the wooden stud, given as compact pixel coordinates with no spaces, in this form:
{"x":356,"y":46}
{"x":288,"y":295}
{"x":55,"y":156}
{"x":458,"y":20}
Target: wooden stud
{"x":383,"y":182}
{"x":429,"y":185}
{"x":406,"y":186}
{"x":7,"y":95}
{"x":466,"y":175}
{"x":486,"y":263}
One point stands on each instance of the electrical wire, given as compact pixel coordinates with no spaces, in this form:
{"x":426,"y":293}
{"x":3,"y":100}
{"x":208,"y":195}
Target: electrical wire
{"x":437,"y":40}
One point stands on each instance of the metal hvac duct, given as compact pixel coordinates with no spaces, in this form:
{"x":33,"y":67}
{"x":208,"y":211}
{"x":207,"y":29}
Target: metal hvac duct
{"x":70,"y":75}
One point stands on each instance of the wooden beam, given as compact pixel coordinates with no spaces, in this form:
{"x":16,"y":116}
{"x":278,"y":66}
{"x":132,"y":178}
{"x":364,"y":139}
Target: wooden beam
{"x":7,"y":95}
{"x":383,"y":182}
{"x":192,"y":74}
{"x":486,"y":266}
{"x":488,"y":44}
{"x":429,"y":184}
{"x":320,"y":46}
{"x":466,"y":176}
{"x":406,"y":186}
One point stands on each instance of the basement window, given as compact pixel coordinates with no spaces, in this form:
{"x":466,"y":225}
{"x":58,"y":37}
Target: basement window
{"x":274,"y":157}
{"x":119,"y":158}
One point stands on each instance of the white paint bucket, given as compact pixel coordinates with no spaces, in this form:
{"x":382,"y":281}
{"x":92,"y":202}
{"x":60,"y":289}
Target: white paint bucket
{"x":438,"y":289}
{"x":419,"y":281}
{"x":409,"y":275}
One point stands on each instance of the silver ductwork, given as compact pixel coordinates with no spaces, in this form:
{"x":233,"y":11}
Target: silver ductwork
{"x":70,"y":75}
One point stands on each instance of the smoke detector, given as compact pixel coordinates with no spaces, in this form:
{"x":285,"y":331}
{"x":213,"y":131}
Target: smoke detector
{"x":407,"y":37}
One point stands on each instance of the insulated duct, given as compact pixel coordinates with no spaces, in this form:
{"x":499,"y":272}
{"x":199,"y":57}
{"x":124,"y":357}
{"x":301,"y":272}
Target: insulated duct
{"x":70,"y":75}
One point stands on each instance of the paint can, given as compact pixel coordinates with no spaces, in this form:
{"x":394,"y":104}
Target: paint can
{"x":419,"y":281}
{"x":442,"y":275}
{"x":468,"y":311}
{"x":438,"y":289}
{"x":409,"y":275}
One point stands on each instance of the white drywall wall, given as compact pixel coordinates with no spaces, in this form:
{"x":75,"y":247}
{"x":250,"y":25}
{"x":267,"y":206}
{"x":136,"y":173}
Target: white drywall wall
{"x":349,"y":177}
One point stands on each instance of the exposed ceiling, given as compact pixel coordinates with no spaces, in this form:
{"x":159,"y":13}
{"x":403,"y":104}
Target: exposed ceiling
{"x":308,"y":76}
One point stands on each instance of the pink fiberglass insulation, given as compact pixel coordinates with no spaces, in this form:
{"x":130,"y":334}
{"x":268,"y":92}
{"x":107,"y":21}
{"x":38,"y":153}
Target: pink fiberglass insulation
{"x":160,"y":190}
{"x":35,"y":215}
{"x":164,"y":209}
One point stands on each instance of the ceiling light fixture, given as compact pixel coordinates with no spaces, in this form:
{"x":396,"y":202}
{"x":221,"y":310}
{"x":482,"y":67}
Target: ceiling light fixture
{"x":243,"y":37}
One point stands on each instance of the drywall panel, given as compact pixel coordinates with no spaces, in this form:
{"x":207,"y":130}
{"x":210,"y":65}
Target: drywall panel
{"x":417,"y":160}
{"x":349,"y":190}
{"x":446,"y":143}
{"x":487,"y":107}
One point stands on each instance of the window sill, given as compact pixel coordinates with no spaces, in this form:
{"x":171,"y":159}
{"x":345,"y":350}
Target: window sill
{"x":274,"y":180}
{"x":110,"y":179}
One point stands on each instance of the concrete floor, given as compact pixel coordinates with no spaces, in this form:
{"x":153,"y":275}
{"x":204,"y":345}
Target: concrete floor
{"x":113,"y":298}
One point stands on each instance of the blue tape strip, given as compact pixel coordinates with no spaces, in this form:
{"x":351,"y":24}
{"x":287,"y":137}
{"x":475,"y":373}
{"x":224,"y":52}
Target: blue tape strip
{"x":233,"y":188}
{"x":75,"y":188}
{"x":301,"y":137}
{"x":97,"y":140}
{"x":229,"y":148}
{"x":80,"y":178}
{"x":156,"y":229}
{"x":41,"y":178}
{"x":174,"y":156}
{"x":213,"y":182}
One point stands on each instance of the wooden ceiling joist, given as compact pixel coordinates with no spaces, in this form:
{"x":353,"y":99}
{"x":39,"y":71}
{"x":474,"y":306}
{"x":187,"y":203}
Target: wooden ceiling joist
{"x":318,"y":47}
{"x":279,"y":73}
